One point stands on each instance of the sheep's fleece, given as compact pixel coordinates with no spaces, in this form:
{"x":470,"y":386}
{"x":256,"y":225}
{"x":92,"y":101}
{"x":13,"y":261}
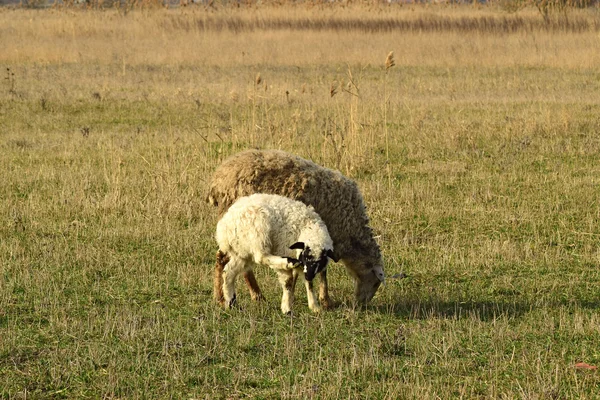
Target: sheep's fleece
{"x":266,"y":224}
{"x":334,"y":197}
{"x":267,"y":229}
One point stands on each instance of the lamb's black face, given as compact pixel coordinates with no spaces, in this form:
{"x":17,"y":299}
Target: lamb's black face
{"x":311,"y":265}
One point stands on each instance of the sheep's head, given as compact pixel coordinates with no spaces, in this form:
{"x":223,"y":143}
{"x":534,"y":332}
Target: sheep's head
{"x":312,"y":265}
{"x":368,"y":275}
{"x":369,"y":282}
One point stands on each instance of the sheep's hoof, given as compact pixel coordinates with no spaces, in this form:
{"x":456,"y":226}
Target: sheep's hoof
{"x":327,"y":303}
{"x":288,"y":313}
{"x":257,"y":297}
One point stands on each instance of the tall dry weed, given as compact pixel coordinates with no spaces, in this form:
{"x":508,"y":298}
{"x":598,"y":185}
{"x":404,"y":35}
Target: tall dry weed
{"x":389,"y":63}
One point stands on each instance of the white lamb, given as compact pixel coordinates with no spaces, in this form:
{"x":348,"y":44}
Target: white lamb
{"x":279,"y":232}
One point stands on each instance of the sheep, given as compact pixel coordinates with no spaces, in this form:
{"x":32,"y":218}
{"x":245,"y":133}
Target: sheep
{"x":334,"y":197}
{"x":276,"y":231}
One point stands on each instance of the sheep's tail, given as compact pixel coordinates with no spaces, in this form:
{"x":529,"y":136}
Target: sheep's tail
{"x":219,"y":197}
{"x":214,"y":195}
{"x":210,"y":199}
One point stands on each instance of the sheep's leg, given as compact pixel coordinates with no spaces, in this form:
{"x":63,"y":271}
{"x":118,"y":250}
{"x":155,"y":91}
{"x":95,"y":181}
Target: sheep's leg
{"x":230,"y":272}
{"x":222,"y":260}
{"x":324,"y":298}
{"x":288,"y":282}
{"x":312,"y":298}
{"x":255,"y":292}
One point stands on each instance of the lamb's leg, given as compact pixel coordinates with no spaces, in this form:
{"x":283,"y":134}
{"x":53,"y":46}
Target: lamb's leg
{"x":222,"y":260}
{"x":324,"y":298}
{"x":312,"y":298}
{"x":280,"y":264}
{"x":230,"y":272}
{"x":255,"y":292}
{"x":288,"y":282}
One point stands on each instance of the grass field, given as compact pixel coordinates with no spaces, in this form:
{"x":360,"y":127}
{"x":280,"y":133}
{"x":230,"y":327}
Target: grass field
{"x":478,"y":155}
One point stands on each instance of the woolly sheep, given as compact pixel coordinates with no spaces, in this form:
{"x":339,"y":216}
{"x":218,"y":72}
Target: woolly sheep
{"x":276,"y":231}
{"x":334,"y":197}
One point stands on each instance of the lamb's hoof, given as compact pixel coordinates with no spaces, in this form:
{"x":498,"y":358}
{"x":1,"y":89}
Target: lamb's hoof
{"x":232,"y":302}
{"x":286,"y":311}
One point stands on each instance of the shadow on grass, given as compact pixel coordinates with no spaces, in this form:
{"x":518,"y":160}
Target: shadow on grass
{"x":481,"y":310}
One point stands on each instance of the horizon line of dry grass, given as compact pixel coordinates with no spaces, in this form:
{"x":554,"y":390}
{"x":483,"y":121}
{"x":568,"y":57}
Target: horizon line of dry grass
{"x":185,"y":37}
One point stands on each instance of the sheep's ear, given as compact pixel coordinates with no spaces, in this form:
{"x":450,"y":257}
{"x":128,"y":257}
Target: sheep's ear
{"x":329,"y":253}
{"x":297,"y":245}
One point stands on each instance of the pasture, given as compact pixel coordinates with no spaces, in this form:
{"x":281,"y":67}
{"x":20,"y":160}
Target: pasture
{"x":478,"y":155}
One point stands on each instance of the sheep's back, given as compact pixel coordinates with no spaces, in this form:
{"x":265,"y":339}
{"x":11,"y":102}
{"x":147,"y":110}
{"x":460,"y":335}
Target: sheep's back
{"x":334,"y":197}
{"x":253,"y":171}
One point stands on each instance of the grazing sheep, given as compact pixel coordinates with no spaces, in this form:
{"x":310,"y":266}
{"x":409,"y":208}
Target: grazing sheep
{"x":276,"y":231}
{"x":334,"y":197}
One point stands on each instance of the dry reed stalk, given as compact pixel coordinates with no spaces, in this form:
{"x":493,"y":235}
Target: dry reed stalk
{"x":352,"y":89}
{"x":389,"y":63}
{"x":333,"y":88}
{"x":257,"y":81}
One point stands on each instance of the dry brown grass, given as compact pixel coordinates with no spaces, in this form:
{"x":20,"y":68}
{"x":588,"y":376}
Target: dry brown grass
{"x":275,"y":36}
{"x":110,"y":125}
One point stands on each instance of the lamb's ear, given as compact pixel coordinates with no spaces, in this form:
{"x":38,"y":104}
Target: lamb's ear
{"x":297,"y":245}
{"x":329,"y":253}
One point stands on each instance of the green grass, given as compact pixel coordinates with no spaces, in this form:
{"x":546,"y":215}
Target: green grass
{"x":490,"y":208}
